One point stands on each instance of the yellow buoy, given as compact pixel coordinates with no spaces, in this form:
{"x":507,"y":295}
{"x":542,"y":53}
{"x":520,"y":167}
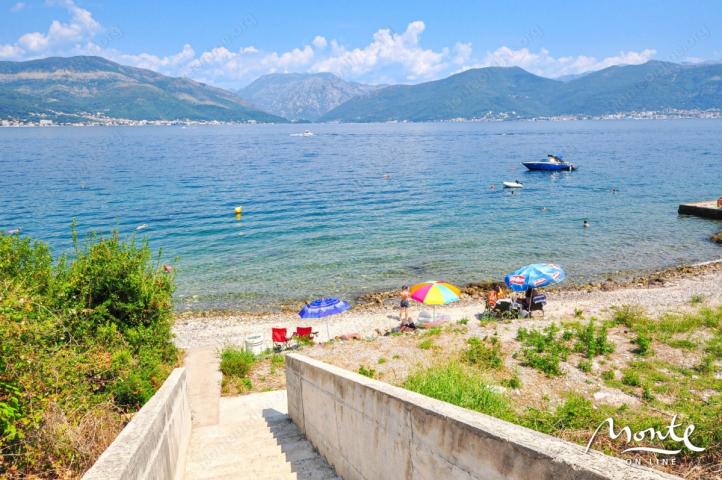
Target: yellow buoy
{"x":238,"y":210}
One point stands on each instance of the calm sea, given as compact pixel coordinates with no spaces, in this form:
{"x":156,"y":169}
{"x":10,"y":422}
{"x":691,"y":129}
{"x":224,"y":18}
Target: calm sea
{"x":358,"y":208}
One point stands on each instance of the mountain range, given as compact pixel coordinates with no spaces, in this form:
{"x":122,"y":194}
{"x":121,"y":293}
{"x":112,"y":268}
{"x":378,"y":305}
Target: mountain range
{"x":302,"y":96}
{"x":477,"y":93}
{"x":75,"y":89}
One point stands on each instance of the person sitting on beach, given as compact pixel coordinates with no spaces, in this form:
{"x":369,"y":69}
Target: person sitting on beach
{"x":404,"y":308}
{"x":493,"y":296}
{"x":526,"y":300}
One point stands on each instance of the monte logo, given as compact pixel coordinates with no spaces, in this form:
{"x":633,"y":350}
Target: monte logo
{"x":650,"y":434}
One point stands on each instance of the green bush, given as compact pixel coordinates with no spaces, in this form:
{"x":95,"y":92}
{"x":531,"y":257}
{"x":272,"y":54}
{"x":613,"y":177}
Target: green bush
{"x":480,"y":354}
{"x":543,"y":350}
{"x":644,"y":344}
{"x":236,"y":362}
{"x":90,"y":340}
{"x":585,"y":365}
{"x":593,"y":341}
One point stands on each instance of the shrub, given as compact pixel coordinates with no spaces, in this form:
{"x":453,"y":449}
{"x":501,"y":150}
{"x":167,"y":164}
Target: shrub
{"x":644,"y":344}
{"x":608,"y":375}
{"x":483,"y":355}
{"x":544,"y":349}
{"x":90,"y":340}
{"x":236,"y":362}
{"x":463,"y":321}
{"x":592,"y":341}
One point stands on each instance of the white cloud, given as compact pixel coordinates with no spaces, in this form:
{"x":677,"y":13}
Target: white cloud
{"x":17,"y":7}
{"x":59,"y":39}
{"x":544,"y":64}
{"x":389,"y":57}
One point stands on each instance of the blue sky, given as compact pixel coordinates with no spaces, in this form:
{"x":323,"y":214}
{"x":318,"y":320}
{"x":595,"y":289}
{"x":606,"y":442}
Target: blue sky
{"x":229,"y":43}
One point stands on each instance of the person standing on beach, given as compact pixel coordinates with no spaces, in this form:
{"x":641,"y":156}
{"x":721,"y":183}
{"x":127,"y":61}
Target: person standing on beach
{"x":404,"y":309}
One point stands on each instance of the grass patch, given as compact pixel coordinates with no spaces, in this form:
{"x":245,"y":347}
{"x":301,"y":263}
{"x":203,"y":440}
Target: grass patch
{"x":381,"y":361}
{"x":367,"y":372}
{"x":426,"y":344}
{"x":543,"y":350}
{"x":461,"y":386}
{"x":463,"y":321}
{"x":483,"y":353}
{"x":585,"y":365}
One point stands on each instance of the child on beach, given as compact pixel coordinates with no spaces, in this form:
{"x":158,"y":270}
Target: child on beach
{"x":404,"y":308}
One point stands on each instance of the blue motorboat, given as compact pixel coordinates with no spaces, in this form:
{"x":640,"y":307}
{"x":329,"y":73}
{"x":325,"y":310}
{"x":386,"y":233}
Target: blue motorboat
{"x":553,"y":163}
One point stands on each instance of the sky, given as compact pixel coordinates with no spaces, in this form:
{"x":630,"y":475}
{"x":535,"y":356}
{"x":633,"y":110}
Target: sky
{"x":231,"y":43}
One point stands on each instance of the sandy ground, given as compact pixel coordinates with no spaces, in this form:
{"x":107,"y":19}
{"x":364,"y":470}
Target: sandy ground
{"x":232,"y":328}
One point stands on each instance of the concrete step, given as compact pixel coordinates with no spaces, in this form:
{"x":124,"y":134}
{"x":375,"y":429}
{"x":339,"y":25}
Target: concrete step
{"x":254,"y":439}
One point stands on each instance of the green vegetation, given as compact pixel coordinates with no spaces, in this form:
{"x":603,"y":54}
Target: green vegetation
{"x":696,"y":299}
{"x":544,"y":349}
{"x":463,"y":321}
{"x":367,"y":372}
{"x":236,"y":362}
{"x":84,"y":340}
{"x":461,"y":386}
{"x":593,"y":341}
{"x":381,"y":360}
{"x":585,"y":365}
{"x":644,"y":344}
{"x":426,"y":344}
{"x":483,"y":353}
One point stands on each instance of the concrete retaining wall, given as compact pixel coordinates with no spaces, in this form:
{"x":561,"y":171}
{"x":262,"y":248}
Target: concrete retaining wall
{"x":370,"y":430}
{"x":153,"y":445}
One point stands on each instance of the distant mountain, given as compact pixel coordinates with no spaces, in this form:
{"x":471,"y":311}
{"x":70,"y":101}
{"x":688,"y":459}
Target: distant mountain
{"x":515,"y":93}
{"x":653,"y":85}
{"x":75,"y":88}
{"x":469,"y":94}
{"x":300,"y":96}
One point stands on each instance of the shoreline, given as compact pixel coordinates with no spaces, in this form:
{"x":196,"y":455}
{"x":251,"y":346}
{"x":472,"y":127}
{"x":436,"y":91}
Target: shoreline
{"x":477,"y":290}
{"x":664,"y":290}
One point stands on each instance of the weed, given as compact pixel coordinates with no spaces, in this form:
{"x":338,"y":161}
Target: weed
{"x":396,"y":356}
{"x":592,"y":341}
{"x":367,"y":372}
{"x":514,"y":382}
{"x":236,"y":362}
{"x":463,"y":321}
{"x":696,"y":299}
{"x":631,"y":378}
{"x":578,"y":313}
{"x":381,"y":361}
{"x":644,"y":344}
{"x":608,"y":375}
{"x":466,"y":388}
{"x":585,"y":365}
{"x":484,"y":353}
{"x":543,"y":350}
{"x":426,"y":344}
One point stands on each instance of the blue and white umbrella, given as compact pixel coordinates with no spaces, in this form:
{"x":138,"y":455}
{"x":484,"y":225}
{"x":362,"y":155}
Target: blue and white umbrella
{"x":323,"y":307}
{"x":536,"y":275}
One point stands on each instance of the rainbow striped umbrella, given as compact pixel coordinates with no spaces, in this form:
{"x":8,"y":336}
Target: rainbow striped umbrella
{"x":434,"y":293}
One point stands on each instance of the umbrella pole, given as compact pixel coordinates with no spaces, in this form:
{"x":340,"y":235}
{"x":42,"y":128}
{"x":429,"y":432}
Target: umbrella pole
{"x":328,"y":331}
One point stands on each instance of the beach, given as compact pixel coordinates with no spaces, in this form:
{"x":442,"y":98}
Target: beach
{"x":657,"y":292}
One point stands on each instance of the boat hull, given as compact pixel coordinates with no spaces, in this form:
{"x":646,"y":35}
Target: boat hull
{"x":550,"y":167}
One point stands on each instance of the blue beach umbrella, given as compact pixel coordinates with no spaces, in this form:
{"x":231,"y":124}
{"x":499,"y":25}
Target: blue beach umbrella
{"x":323,"y":307}
{"x":536,"y":275}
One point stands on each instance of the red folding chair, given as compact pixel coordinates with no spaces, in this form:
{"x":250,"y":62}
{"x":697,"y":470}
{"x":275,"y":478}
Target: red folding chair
{"x":280,"y":339}
{"x":306,"y":333}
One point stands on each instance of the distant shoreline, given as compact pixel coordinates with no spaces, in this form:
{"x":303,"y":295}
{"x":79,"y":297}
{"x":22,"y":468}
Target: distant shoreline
{"x":711,"y":114}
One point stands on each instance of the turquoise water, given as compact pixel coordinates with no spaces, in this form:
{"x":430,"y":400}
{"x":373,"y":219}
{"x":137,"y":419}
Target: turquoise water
{"x":359,"y":208}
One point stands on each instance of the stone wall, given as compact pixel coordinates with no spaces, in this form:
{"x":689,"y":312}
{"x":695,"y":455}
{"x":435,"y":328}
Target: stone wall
{"x":153,"y":445}
{"x":370,"y":430}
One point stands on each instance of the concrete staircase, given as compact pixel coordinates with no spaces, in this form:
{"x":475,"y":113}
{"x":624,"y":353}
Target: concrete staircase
{"x":254,"y":439}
